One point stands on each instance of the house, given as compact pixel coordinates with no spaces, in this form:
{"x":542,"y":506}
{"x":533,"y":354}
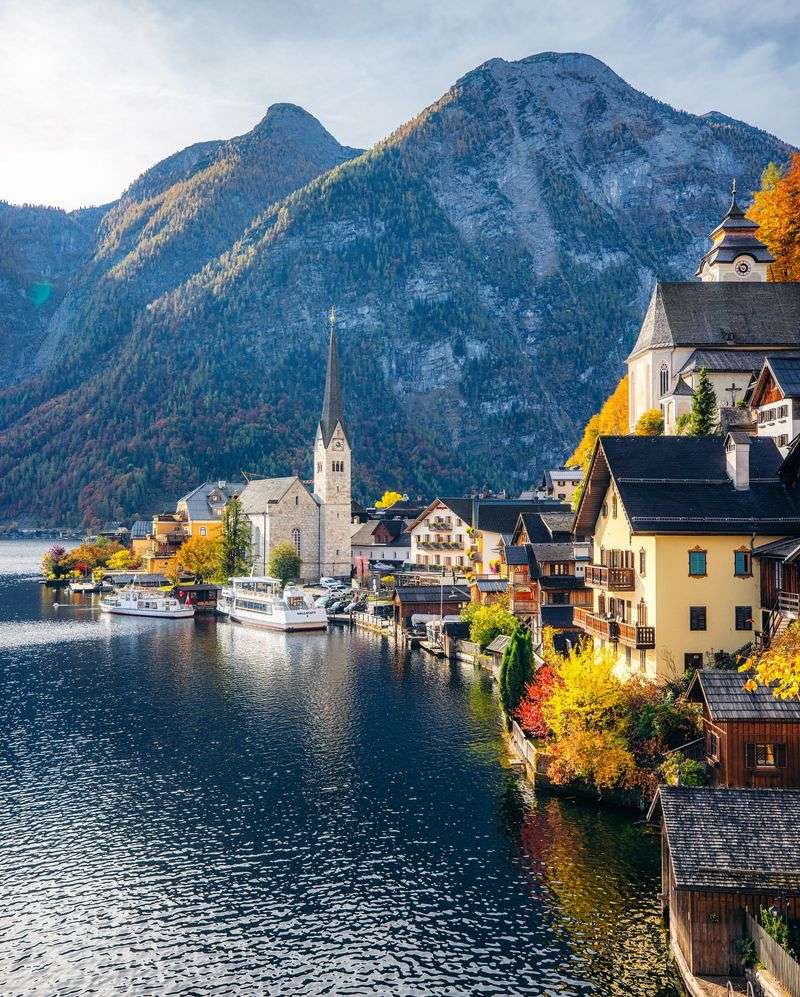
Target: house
{"x":486,"y":591}
{"x":559,"y":484}
{"x":751,"y":739}
{"x":774,"y":398}
{"x":468,"y":533}
{"x":779,"y":587}
{"x":317,"y":522}
{"x":724,"y":852}
{"x":433,"y":601}
{"x":201,"y":509}
{"x":674,"y":522}
{"x":726,"y":323}
{"x":156,"y":542}
{"x":380,"y":541}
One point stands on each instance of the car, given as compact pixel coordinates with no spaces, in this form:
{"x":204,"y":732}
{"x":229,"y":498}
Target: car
{"x":330,"y":583}
{"x":322,"y":600}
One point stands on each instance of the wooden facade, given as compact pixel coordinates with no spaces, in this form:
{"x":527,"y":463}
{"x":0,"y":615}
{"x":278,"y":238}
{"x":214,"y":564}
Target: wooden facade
{"x":428,"y":600}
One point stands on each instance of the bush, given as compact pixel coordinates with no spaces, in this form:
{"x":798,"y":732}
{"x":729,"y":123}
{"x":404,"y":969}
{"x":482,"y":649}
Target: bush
{"x":488,"y":622}
{"x":678,"y":770}
{"x":776,"y":926}
{"x":284,"y":562}
{"x":650,"y":423}
{"x":516,"y":669}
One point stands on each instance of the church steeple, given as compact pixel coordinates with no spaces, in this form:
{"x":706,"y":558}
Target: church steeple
{"x":332,"y":400}
{"x":736,"y":251}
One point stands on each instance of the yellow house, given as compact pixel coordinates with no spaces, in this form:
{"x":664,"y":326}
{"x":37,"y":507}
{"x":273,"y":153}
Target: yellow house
{"x":201,"y":509}
{"x":674,"y":521}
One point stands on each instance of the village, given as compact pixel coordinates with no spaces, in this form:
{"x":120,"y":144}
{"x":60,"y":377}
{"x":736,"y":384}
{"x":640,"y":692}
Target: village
{"x":659,"y":580}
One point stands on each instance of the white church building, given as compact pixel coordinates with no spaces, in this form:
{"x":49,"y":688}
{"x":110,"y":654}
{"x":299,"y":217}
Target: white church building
{"x":316,"y":522}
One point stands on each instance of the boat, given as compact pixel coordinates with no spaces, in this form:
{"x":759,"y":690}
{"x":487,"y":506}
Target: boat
{"x":83,"y":585}
{"x":261,"y":601}
{"x":145,"y":602}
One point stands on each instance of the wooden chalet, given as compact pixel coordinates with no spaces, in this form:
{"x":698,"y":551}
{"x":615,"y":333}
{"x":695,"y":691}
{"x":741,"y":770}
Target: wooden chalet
{"x":486,"y":591}
{"x":427,"y":600}
{"x":751,"y":739}
{"x":779,"y":587}
{"x":724,"y":852}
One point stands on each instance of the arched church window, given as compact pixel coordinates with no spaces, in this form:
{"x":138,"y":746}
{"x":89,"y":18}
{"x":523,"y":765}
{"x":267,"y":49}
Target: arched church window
{"x":664,"y":379}
{"x":296,"y":539}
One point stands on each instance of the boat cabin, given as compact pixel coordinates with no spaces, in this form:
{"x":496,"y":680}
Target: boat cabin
{"x":724,"y":852}
{"x":751,"y":739}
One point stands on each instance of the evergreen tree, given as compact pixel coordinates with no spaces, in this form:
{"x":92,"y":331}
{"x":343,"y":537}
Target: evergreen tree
{"x":704,"y":407}
{"x":235,"y":548}
{"x":516,"y":669}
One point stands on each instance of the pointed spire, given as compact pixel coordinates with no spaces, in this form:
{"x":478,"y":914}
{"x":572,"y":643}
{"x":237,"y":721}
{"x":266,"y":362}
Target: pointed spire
{"x":332,"y":402}
{"x":734,"y":211}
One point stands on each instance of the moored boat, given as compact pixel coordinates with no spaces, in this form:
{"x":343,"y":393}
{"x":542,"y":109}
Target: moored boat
{"x":264,"y":602}
{"x":145,"y":602}
{"x":83,"y":585}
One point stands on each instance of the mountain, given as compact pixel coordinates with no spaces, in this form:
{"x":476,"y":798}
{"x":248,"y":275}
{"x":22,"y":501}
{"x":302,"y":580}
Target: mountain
{"x":490,"y":263}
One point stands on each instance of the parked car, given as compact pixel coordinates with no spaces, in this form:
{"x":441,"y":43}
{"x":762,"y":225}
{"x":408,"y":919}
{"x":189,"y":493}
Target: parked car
{"x":330,"y":583}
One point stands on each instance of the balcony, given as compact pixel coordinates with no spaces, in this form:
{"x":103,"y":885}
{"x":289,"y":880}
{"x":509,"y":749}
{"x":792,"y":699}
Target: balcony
{"x":789,"y":604}
{"x":600,"y":576}
{"x":527,"y":607}
{"x":597,"y":626}
{"x":632,"y":635}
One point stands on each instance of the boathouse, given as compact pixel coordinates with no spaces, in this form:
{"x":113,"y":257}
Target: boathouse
{"x":427,"y":600}
{"x":751,"y":739}
{"x":724,"y":852}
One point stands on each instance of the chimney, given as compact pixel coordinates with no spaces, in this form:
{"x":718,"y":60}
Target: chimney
{"x":222,"y":485}
{"x":737,"y":459}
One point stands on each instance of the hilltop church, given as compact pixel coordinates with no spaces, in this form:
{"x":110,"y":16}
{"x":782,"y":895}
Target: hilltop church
{"x":316,"y":522}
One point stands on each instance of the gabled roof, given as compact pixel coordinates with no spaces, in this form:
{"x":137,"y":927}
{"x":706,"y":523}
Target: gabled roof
{"x":141,"y":529}
{"x":730,"y":361}
{"x":732,"y":839}
{"x":727,"y":699}
{"x":460,"y":507}
{"x":786,"y":550}
{"x":555,"y":551}
{"x":722,"y":314}
{"x":362,"y":533}
{"x":501,"y":515}
{"x":570,"y":474}
{"x":259,"y":494}
{"x":499,"y":644}
{"x":784,"y":372}
{"x":680,"y":485}
{"x":492,"y":585}
{"x":431,"y":593}
{"x":207,"y":500}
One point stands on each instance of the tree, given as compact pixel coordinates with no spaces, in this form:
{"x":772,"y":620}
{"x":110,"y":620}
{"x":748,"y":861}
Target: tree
{"x":683,"y":424}
{"x":489,"y":621}
{"x":516,"y":669}
{"x":198,"y":557}
{"x":91,"y":555}
{"x":388,"y":499}
{"x":704,"y":407}
{"x":611,"y":420}
{"x":778,"y":666}
{"x":776,"y":208}
{"x":54,"y":564}
{"x":650,"y":423}
{"x":235,"y":544}
{"x":528,"y":713}
{"x":284,"y":562}
{"x":122,"y":561}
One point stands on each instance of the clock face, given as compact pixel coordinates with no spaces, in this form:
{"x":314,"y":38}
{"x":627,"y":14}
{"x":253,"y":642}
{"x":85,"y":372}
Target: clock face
{"x":338,"y":445}
{"x":742,"y":267}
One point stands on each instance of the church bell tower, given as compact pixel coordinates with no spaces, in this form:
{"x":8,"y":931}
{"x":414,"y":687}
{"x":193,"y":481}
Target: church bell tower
{"x":736,"y":254}
{"x":332,"y":468}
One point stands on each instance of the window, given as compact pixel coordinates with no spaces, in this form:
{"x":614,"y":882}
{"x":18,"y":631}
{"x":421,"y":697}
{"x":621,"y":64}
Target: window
{"x":744,"y":617}
{"x":319,"y":466}
{"x":697,"y":563}
{"x":337,"y":465}
{"x":642,"y":562}
{"x":663,"y":379}
{"x":296,"y":539}
{"x":712,"y":744}
{"x":203,"y":531}
{"x":614,"y":506}
{"x":643,"y":659}
{"x":297,"y":500}
{"x":559,"y":568}
{"x":765,"y":756}
{"x":697,"y":617}
{"x":693,"y":660}
{"x":605,"y":509}
{"x":742,"y":564}
{"x":641,"y":613}
{"x":782,"y":440}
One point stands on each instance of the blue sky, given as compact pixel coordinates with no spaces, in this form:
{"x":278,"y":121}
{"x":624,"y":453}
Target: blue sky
{"x":93,"y":93}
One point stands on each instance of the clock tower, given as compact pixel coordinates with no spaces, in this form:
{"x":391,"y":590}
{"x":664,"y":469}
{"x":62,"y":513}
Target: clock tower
{"x":332,"y":461}
{"x":736,"y":254}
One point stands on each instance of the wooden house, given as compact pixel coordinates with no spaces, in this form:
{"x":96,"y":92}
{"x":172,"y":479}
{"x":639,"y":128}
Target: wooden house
{"x":724,"y":852}
{"x":487,"y":591}
{"x":751,"y":739}
{"x":779,"y":587}
{"x":427,"y":600}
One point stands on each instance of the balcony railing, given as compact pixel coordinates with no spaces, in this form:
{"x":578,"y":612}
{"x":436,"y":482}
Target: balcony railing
{"x":600,"y":576}
{"x":597,"y":626}
{"x":789,"y":603}
{"x":523,"y":605}
{"x":633,"y":635}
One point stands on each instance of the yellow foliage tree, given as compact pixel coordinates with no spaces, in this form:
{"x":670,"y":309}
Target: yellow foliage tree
{"x":198,"y":557}
{"x":650,"y":423}
{"x":388,"y":499}
{"x":778,"y":666}
{"x":611,"y":420}
{"x":776,"y":208}
{"x":123,"y":560}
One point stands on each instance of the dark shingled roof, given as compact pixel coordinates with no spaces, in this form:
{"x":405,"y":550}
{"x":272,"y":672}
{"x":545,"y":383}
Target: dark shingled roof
{"x":787,"y":549}
{"x":733,"y":361}
{"x":332,"y":402}
{"x":732,"y":839}
{"x":431,"y":593}
{"x":679,"y":484}
{"x":141,"y":529}
{"x":785,"y":373}
{"x":727,"y":699}
{"x":492,"y":584}
{"x":725,"y":313}
{"x":561,"y":583}
{"x":555,"y":551}
{"x":501,"y":515}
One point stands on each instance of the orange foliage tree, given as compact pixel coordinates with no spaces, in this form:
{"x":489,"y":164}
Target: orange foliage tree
{"x":611,"y":420}
{"x":776,"y":208}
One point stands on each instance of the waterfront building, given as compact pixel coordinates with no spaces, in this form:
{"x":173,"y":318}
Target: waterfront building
{"x":156,"y":541}
{"x":725,"y":853}
{"x":202,"y":508}
{"x":431,"y":601}
{"x":380,"y":541}
{"x":727,"y":323}
{"x":316,"y":521}
{"x":750,"y":739}
{"x":675,"y":521}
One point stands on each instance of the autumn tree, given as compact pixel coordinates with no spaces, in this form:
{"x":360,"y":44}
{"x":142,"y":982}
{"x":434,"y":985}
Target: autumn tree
{"x":650,"y":423}
{"x":388,"y":499}
{"x":538,"y":691}
{"x":54,"y":564}
{"x":776,"y":208}
{"x":123,"y":560}
{"x":489,"y":621}
{"x":284,"y":562}
{"x":611,"y":420}
{"x":198,"y":557}
{"x":778,"y":666}
{"x":704,"y":407}
{"x":235,"y":544}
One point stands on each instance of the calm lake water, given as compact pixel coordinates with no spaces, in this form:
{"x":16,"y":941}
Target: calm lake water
{"x":197,"y":808}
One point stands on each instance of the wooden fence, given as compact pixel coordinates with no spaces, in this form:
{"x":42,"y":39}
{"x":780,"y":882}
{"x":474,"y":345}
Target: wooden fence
{"x":775,"y":959}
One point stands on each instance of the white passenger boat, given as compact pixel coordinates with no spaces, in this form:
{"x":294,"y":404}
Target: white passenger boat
{"x":145,"y":602}
{"x":83,"y":585}
{"x":265,"y":602}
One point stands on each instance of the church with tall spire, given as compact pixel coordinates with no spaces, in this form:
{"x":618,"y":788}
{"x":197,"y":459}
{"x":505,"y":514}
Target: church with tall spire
{"x":316,"y":522}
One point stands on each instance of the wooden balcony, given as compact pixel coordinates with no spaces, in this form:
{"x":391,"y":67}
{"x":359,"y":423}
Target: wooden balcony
{"x":597,"y":626}
{"x":526,"y":607}
{"x":600,"y":576}
{"x":789,"y":604}
{"x":633,"y":635}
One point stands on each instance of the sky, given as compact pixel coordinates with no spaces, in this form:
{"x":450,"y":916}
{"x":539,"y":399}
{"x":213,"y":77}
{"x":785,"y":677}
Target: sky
{"x":93,"y":92}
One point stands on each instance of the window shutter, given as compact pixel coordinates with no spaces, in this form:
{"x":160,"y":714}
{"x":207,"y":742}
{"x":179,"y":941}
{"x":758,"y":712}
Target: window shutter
{"x":750,"y":756}
{"x":780,"y":756}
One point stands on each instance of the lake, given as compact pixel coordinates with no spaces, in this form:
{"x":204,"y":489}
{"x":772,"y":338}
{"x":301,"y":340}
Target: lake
{"x":192,"y":807}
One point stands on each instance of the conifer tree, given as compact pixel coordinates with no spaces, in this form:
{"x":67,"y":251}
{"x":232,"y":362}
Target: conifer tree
{"x":516,"y":669}
{"x":704,"y":407}
{"x":234,"y":541}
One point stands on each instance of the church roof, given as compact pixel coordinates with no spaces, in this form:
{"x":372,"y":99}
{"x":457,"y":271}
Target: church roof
{"x":332,"y":402}
{"x":258,"y":495}
{"x":721,"y":314}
